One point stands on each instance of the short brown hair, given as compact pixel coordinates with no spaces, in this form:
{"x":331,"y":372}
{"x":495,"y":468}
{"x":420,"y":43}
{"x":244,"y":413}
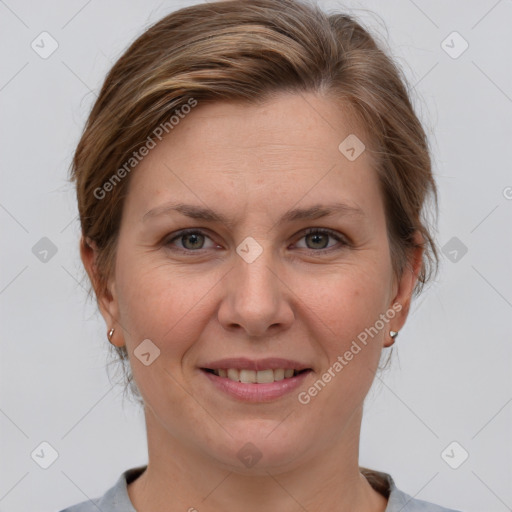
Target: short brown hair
{"x":246,"y":51}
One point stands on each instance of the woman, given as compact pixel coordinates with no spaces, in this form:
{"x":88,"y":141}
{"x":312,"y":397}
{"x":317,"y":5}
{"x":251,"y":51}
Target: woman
{"x":227,"y":142}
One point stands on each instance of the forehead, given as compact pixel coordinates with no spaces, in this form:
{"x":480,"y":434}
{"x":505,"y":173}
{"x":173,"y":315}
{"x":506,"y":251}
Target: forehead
{"x":283,"y":150}
{"x":283,"y":125}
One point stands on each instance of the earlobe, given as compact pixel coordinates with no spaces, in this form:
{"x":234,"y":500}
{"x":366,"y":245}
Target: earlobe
{"x":105,"y":298}
{"x":407,"y":283}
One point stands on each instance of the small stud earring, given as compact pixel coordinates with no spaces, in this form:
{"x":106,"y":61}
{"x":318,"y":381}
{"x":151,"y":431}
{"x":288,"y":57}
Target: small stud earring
{"x":393,"y":335}
{"x":110,"y":334}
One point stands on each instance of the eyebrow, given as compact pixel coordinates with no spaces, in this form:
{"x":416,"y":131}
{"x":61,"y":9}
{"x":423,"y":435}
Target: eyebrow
{"x":207,"y":214}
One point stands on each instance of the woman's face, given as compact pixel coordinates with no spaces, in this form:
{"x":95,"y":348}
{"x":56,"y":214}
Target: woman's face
{"x":255,"y":285}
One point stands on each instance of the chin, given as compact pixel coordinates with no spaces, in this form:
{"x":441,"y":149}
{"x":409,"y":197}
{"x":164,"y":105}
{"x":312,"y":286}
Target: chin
{"x":260,"y":451}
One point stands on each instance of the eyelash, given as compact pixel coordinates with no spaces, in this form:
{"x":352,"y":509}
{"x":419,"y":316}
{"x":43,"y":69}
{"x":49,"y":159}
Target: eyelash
{"x":309,"y":231}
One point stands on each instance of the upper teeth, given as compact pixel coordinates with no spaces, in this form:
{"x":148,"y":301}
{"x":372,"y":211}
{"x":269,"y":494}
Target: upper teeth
{"x":252,"y":376}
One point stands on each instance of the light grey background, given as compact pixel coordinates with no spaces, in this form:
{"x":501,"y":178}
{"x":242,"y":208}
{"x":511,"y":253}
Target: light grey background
{"x":451,"y":375}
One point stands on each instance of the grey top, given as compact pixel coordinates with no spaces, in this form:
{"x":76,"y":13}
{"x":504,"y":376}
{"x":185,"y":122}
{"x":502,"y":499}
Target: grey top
{"x":116,"y":499}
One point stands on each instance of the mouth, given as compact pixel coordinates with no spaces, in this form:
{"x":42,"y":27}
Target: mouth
{"x":246,"y":376}
{"x":250,"y":381}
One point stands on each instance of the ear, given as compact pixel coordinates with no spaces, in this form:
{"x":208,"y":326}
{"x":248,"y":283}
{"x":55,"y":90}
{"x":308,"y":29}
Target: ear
{"x":107,"y":301}
{"x":406,"y":283}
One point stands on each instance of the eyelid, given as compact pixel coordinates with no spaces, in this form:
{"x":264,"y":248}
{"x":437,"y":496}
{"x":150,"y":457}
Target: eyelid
{"x":183,"y":232}
{"x":204,"y":232}
{"x":325,"y":231}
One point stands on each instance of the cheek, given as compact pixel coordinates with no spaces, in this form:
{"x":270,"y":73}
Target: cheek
{"x":346,"y":308}
{"x":345,"y":301}
{"x":162,"y":303}
{"x":166,"y":306}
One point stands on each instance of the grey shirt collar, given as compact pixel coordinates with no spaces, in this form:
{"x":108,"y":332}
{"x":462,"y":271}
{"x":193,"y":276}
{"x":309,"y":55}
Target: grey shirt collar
{"x":116,"y":499}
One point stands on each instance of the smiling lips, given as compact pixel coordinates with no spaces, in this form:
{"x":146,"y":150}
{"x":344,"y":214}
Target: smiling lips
{"x":263,"y":371}
{"x":256,"y":377}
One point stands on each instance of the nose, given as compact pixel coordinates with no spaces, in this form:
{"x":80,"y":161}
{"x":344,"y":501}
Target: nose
{"x":257,"y":299}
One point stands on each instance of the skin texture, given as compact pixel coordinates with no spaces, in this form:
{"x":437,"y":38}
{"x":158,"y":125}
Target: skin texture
{"x":304,"y":297}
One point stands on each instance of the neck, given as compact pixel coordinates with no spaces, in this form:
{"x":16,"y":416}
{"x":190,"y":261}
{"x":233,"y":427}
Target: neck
{"x":179,"y":477}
